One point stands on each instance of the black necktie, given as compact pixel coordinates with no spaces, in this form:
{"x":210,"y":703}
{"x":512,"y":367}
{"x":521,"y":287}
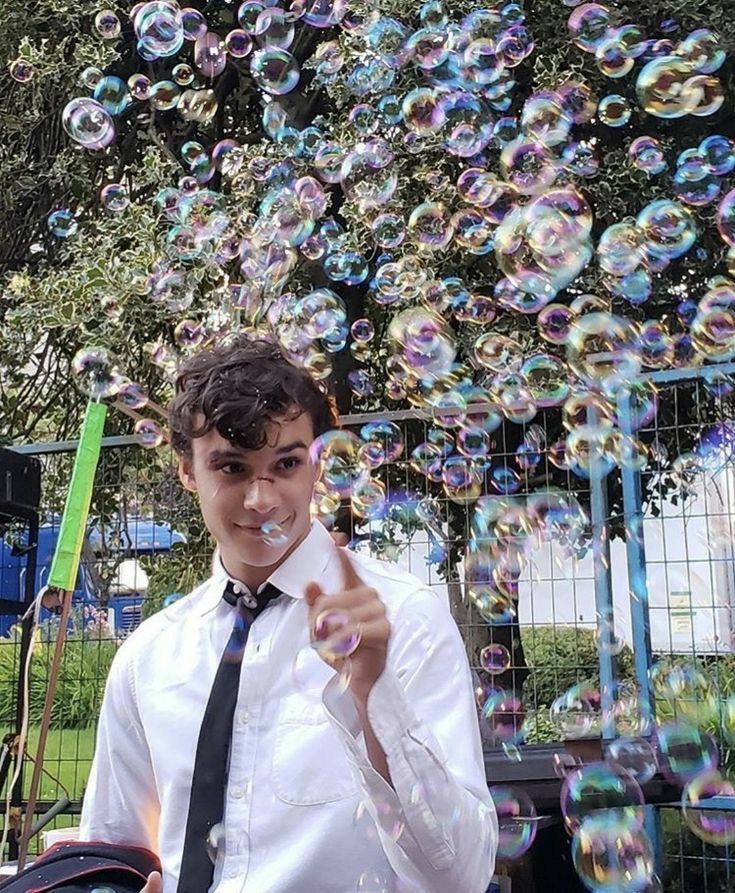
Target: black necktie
{"x":210,"y":766}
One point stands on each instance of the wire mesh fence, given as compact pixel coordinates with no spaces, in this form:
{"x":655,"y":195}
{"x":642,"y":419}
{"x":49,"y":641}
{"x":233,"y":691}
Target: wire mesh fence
{"x":507,"y":536}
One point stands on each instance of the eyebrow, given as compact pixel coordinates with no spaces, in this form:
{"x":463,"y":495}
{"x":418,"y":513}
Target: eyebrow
{"x":216,"y":456}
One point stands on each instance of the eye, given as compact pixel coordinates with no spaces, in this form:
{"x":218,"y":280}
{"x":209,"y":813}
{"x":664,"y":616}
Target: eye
{"x":232,"y":468}
{"x":289,"y":463}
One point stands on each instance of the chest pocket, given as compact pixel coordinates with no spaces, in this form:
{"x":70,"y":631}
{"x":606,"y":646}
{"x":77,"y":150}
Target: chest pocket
{"x":310,"y":765}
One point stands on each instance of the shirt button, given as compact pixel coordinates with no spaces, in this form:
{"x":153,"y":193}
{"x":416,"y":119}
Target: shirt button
{"x":244,"y":717}
{"x":238,"y":792}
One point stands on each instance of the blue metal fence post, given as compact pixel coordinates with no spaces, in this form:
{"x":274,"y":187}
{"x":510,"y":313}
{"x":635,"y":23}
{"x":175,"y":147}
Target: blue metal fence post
{"x":640,"y":620}
{"x":603,"y":582}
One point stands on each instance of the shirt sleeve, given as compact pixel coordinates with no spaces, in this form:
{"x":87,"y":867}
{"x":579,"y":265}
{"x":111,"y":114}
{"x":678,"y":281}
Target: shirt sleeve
{"x":121,"y":803}
{"x":437,"y":823}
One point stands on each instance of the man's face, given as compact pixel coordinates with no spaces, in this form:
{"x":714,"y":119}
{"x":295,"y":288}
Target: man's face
{"x":241,"y":490}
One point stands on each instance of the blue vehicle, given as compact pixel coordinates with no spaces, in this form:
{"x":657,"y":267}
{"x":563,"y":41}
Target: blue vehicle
{"x":138,"y":536}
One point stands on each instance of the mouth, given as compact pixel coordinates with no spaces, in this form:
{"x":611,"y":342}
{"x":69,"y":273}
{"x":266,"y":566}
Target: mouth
{"x":257,"y":530}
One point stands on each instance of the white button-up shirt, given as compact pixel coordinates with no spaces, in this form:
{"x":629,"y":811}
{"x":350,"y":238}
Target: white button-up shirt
{"x":304,"y":810}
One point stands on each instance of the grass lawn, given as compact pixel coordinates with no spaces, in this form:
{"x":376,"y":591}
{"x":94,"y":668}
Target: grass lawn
{"x":68,"y":757}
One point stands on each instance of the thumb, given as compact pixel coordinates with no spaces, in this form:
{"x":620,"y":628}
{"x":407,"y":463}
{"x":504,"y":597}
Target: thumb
{"x":312,"y":593}
{"x":154,"y":884}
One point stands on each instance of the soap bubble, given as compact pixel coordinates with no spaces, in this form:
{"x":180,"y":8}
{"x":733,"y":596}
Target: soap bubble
{"x":684,"y":751}
{"x":517,"y":820}
{"x":495,"y":659}
{"x":714,"y":826}
{"x":107,"y":24}
{"x":275,"y":70}
{"x":114,"y":197}
{"x":21,"y":71}
{"x":614,"y":110}
{"x":635,"y":755}
{"x":148,"y":433}
{"x":335,"y":636}
{"x":273,"y":534}
{"x":612,"y":857}
{"x":505,"y":717}
{"x":97,"y":372}
{"x":88,"y":123}
{"x":601,"y":787}
{"x":62,"y":224}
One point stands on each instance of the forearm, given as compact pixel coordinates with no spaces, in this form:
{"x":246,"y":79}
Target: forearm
{"x":375,"y":752}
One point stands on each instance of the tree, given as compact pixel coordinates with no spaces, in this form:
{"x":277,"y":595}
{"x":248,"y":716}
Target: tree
{"x":500,"y":196}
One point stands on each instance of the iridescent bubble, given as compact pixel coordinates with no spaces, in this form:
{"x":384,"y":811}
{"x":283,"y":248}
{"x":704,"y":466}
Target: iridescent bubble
{"x":635,"y":755}
{"x":368,"y":178}
{"x":193,"y":23}
{"x":275,"y":70}
{"x":114,"y":197}
{"x":62,"y":224}
{"x":601,"y":350}
{"x":387,"y":435}
{"x":613,"y":57}
{"x":336,"y":453}
{"x":544,"y":118}
{"x":473,"y":442}
{"x":132,"y":395}
{"x":703,"y":50}
{"x":148,"y":433}
{"x":362,"y":330}
{"x":670,"y":228}
{"x":505,"y":717}
{"x":368,"y":499}
{"x":274,"y":27}
{"x":612,"y":857}
{"x":588,"y":26}
{"x":726,"y":218}
{"x":21,"y":71}
{"x":704,"y":94}
{"x":159,"y":29}
{"x":139,"y":87}
{"x":684,"y":751}
{"x":528,"y":165}
{"x":88,"y":123}
{"x":601,"y":786}
{"x":97,"y":372}
{"x":210,"y":56}
{"x":686,"y":687}
{"x":714,"y":826}
{"x":238,"y":43}
{"x":334,"y":635}
{"x":576,"y":712}
{"x":189,"y":334}
{"x":495,"y":659}
{"x":430,"y":225}
{"x":718,"y":153}
{"x":547,"y":379}
{"x":107,"y":24}
{"x":614,"y":110}
{"x":517,"y":820}
{"x":645,"y":154}
{"x":661,"y":87}
{"x":273,"y":534}
{"x":553,"y":323}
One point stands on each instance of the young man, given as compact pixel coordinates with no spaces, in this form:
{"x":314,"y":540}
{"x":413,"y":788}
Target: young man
{"x":367,"y":782}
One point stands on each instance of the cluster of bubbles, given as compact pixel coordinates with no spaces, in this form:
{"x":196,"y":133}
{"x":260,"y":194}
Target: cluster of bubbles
{"x":287,"y":226}
{"x":602,"y":803}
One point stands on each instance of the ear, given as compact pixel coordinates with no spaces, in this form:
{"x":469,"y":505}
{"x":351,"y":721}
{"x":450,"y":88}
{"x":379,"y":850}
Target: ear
{"x":186,"y":474}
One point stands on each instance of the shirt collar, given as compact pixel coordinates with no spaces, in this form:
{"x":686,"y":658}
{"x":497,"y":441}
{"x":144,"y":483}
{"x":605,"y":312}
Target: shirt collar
{"x":307,"y":562}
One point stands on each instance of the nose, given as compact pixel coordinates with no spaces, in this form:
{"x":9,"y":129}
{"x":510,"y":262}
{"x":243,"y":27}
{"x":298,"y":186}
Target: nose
{"x":260,"y":497}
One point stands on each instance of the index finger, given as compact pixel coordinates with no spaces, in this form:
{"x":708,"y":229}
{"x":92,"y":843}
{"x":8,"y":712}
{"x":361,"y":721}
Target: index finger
{"x":350,"y":578}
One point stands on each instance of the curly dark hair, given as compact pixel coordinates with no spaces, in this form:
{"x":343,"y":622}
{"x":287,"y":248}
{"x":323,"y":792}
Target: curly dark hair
{"x":239,"y":388}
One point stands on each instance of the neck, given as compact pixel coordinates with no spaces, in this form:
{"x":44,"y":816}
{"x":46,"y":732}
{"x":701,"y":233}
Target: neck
{"x":254,"y":576}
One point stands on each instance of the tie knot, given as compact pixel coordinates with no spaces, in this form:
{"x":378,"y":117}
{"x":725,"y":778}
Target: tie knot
{"x":236,"y":594}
